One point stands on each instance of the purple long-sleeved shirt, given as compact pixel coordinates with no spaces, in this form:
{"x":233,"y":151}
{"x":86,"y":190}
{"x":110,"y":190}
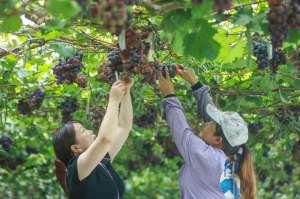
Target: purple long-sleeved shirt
{"x":203,"y":164}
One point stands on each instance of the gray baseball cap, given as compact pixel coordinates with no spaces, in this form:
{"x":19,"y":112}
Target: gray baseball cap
{"x":234,"y":127}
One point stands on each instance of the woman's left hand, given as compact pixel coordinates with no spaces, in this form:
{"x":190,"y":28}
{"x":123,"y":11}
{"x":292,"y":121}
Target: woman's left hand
{"x":128,"y":85}
{"x":165,"y":84}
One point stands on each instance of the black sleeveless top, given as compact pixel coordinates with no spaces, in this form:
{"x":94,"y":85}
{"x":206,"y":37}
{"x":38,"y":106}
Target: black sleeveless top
{"x":102,"y":183}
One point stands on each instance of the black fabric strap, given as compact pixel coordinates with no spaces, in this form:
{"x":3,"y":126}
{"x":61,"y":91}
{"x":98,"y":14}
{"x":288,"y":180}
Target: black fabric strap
{"x":197,"y":86}
{"x":170,"y":95}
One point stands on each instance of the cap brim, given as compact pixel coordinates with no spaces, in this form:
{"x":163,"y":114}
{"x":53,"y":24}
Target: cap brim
{"x":214,"y":113}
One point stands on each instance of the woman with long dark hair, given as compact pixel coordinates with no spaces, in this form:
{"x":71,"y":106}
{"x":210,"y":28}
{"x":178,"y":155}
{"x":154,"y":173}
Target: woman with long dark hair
{"x":88,"y":158}
{"x":218,"y":164}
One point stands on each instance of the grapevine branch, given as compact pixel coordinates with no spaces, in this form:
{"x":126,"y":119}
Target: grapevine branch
{"x":35,"y":42}
{"x":168,"y":7}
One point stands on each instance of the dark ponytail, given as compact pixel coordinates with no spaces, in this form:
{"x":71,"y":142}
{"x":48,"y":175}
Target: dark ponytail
{"x":63,"y":139}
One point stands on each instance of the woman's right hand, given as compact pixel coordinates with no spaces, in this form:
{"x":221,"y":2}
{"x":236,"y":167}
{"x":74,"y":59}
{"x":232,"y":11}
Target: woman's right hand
{"x":117,"y":91}
{"x":187,"y":74}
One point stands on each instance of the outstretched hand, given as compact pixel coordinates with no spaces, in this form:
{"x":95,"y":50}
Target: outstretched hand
{"x":129,"y":83}
{"x":187,"y":74}
{"x":117,"y":91}
{"x":165,"y":84}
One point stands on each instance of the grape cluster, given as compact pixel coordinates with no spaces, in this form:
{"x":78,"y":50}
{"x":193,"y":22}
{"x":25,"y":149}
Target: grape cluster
{"x":279,"y":57}
{"x":222,"y":5}
{"x":129,"y":61}
{"x":147,"y":118}
{"x":10,"y":163}
{"x":135,"y":52}
{"x":24,"y":107}
{"x":171,"y":68}
{"x":278,"y":22}
{"x":68,"y":107}
{"x":149,"y":72}
{"x":260,"y":51}
{"x":67,"y":71}
{"x":6,"y":142}
{"x":35,"y":100}
{"x":294,"y":17}
{"x":113,"y":65}
{"x":96,"y":114}
{"x":113,"y":12}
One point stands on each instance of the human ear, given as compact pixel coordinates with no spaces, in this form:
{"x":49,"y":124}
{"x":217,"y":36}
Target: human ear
{"x":218,"y":140}
{"x":76,"y":149}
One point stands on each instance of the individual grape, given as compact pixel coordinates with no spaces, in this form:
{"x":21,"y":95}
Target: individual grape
{"x":6,"y":142}
{"x":36,"y":99}
{"x":278,"y":26}
{"x":260,"y":51}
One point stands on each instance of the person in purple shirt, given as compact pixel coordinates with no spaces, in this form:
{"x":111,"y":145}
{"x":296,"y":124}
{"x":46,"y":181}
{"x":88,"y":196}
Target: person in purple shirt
{"x":217,"y":164}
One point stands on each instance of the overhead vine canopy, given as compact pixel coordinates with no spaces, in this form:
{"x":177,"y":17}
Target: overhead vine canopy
{"x":59,"y":57}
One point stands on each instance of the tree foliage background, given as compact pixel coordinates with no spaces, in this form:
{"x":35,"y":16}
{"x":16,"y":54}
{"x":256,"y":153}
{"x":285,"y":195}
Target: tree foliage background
{"x":35,"y":34}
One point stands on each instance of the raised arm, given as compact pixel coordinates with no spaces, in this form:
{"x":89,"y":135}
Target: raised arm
{"x":179,"y":127}
{"x":125,"y":123}
{"x":191,"y":147}
{"x":89,"y":159}
{"x":200,"y":92}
